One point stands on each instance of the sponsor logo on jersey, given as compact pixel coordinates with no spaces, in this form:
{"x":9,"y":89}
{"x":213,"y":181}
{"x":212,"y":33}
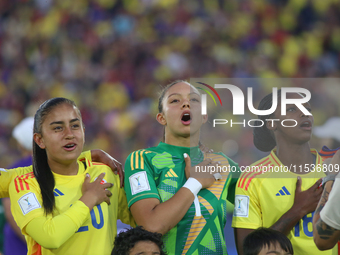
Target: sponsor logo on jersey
{"x":283,"y":192}
{"x":241,"y":208}
{"x":58,"y":193}
{"x":139,"y":182}
{"x":171,"y":173}
{"x":28,"y":202}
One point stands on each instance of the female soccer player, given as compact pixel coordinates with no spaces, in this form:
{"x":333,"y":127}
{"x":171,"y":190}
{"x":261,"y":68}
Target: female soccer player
{"x":280,"y":198}
{"x":162,"y":194}
{"x":57,"y":211}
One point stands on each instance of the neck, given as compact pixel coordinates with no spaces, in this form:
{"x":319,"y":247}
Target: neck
{"x":64,"y":168}
{"x":189,"y":141}
{"x":294,"y":154}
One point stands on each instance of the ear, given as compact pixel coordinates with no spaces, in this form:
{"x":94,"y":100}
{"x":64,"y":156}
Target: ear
{"x":161,"y":119}
{"x":204,"y":118}
{"x":39,"y":140}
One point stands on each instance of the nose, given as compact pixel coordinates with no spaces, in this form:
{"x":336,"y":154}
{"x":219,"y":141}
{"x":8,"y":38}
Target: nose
{"x":69,"y":133}
{"x":186,"y":103}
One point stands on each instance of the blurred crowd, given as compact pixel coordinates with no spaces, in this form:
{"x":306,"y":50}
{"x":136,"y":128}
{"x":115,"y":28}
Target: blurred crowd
{"x":112,"y":57}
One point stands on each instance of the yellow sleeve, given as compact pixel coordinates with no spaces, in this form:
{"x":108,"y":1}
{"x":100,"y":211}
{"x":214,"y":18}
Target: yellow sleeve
{"x":247,"y":210}
{"x":7,"y":175}
{"x":124,"y":213}
{"x":85,"y":154}
{"x":51,"y":232}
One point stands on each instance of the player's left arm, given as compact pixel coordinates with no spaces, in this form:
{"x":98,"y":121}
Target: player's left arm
{"x":325,"y":236}
{"x":105,"y":158}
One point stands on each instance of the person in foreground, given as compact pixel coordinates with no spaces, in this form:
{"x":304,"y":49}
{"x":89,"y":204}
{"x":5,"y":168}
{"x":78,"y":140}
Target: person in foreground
{"x":138,"y":241}
{"x":265,"y":241}
{"x":57,"y":207}
{"x":283,"y":199}
{"x":326,"y":221}
{"x":162,"y":193}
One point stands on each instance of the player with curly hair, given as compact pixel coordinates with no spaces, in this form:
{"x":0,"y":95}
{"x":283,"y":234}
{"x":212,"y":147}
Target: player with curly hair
{"x":136,"y":240}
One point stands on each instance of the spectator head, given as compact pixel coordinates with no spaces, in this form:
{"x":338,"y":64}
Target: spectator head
{"x":23,"y":133}
{"x":267,"y":241}
{"x":138,"y":241}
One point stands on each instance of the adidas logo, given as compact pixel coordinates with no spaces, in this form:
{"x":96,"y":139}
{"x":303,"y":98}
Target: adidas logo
{"x":171,"y":173}
{"x":58,"y":193}
{"x":283,"y":191}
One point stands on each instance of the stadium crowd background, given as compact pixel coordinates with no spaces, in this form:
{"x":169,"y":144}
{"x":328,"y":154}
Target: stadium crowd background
{"x":112,"y":57}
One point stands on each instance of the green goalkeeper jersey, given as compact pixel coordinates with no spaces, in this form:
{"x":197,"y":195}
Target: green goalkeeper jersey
{"x":158,"y":172}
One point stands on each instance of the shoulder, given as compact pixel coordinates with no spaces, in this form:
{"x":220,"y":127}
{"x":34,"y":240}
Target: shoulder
{"x":24,"y":181}
{"x":145,"y":158}
{"x":19,"y":170}
{"x":142,"y":154}
{"x":22,"y":173}
{"x":95,"y":169}
{"x":251,"y":174}
{"x":221,"y":155}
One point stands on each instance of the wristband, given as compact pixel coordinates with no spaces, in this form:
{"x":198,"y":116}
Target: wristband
{"x":193,"y":185}
{"x":326,"y":179}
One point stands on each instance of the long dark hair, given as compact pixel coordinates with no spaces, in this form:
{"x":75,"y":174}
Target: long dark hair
{"x":41,"y":169}
{"x":264,"y":139}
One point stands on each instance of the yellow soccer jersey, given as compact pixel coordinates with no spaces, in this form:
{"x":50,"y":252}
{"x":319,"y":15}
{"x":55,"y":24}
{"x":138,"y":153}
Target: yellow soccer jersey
{"x":262,"y":197}
{"x":96,"y":235}
{"x":8,"y":175}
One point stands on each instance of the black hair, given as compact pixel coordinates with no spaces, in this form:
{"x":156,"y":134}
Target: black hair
{"x":41,"y":169}
{"x":264,"y":139}
{"x":262,"y":237}
{"x":125,"y":241}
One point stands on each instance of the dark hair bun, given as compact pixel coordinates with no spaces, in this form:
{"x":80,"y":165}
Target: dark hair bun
{"x":262,"y":138}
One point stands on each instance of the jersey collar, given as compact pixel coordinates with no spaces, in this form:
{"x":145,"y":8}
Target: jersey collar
{"x":178,"y":151}
{"x":276,"y":162}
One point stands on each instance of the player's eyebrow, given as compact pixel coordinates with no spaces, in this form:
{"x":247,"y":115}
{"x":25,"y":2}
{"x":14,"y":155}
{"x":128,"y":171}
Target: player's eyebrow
{"x":191,"y":93}
{"x":173,"y":94}
{"x":62,"y":122}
